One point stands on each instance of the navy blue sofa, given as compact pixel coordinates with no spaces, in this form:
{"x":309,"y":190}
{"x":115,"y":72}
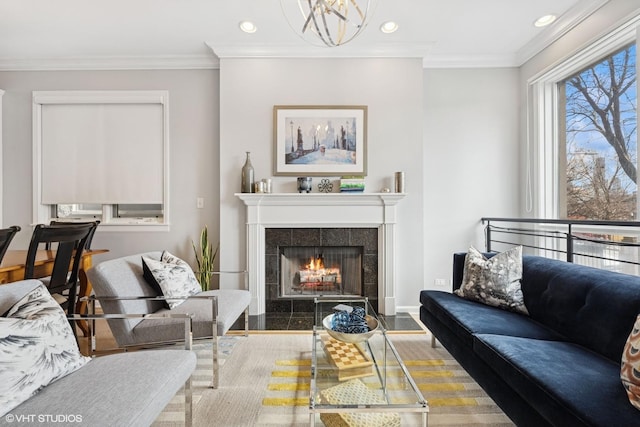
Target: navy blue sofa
{"x":559,"y":366}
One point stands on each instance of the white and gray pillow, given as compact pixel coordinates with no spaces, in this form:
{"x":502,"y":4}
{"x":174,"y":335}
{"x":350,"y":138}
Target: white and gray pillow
{"x":37,"y":347}
{"x":494,"y":281}
{"x":171,"y":277}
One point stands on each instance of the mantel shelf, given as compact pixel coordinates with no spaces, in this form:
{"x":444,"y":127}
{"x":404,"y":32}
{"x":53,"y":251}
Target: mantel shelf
{"x":320,"y":199}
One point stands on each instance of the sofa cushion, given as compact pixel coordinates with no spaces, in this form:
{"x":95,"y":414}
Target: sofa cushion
{"x":630,"y":369}
{"x":494,"y":281}
{"x":37,"y":347}
{"x":466,"y":317}
{"x":566,"y":383}
{"x":231,"y":304}
{"x":127,"y":389}
{"x":170,"y":276}
{"x":591,"y":307}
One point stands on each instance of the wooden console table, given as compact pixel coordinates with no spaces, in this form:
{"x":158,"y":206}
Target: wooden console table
{"x":13,"y":265}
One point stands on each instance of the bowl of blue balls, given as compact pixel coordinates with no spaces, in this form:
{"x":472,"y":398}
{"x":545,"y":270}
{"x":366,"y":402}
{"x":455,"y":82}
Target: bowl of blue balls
{"x":351,"y":327}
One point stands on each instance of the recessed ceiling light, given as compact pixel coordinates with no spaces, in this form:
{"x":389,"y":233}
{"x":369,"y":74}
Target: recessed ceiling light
{"x":248,"y":27}
{"x":545,"y":20}
{"x":389,"y":27}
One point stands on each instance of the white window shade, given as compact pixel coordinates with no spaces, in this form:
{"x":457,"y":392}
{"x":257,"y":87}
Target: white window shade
{"x":101,"y":147}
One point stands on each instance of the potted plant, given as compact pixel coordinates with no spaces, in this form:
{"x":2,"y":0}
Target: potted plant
{"x":205,"y":256}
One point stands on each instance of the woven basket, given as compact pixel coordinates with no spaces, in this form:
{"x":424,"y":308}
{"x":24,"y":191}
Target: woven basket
{"x":351,"y":393}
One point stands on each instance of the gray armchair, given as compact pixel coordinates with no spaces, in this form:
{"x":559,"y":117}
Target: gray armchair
{"x":120,"y":288}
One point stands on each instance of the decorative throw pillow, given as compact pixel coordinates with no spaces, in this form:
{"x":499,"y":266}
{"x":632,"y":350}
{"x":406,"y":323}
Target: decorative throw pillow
{"x":37,"y":347}
{"x":630,"y":369}
{"x":494,"y":281}
{"x":171,"y":277}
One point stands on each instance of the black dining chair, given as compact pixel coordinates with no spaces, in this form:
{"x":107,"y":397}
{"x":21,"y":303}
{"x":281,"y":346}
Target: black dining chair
{"x":87,"y":245}
{"x":6,"y":236}
{"x":69,"y":242}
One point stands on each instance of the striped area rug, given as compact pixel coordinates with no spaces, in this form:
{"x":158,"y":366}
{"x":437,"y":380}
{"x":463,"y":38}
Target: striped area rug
{"x":454,"y":398}
{"x":265,"y":383}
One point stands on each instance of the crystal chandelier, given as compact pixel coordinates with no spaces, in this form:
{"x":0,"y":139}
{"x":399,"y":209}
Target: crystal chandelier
{"x":327,"y":22}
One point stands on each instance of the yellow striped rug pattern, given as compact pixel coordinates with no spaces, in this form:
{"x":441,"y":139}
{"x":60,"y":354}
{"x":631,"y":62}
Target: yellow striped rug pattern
{"x":287,"y":380}
{"x":265,"y":383}
{"x":454,"y":398}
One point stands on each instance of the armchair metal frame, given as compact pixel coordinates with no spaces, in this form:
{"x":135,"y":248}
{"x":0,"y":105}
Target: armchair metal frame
{"x":215,"y":382}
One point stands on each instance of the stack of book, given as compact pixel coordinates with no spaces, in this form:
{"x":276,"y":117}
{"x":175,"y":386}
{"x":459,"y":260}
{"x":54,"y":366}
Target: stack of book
{"x":352,"y":184}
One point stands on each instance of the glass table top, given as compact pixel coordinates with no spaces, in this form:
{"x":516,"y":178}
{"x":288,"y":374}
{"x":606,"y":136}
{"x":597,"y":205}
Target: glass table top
{"x":362,"y":382}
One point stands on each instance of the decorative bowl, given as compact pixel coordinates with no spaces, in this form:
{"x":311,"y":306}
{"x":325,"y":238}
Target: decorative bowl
{"x":372,"y":323}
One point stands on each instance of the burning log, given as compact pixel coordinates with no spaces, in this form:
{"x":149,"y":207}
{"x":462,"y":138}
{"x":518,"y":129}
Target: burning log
{"x":327,"y":275}
{"x":316,"y":275}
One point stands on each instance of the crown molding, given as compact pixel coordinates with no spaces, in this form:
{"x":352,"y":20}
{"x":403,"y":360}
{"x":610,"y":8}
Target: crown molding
{"x":161,"y":62}
{"x":383,"y":50}
{"x":470,"y":61}
{"x":562,"y":26}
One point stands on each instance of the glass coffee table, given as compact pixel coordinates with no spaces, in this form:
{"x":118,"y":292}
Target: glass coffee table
{"x":364,"y":383}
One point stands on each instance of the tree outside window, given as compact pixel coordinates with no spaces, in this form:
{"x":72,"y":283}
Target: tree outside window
{"x":600,"y":130}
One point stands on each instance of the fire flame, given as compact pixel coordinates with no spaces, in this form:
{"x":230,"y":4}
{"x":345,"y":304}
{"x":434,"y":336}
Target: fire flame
{"x":315,"y":264}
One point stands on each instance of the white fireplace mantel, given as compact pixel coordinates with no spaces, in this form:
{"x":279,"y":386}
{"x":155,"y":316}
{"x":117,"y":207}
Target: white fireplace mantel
{"x":321,"y":210}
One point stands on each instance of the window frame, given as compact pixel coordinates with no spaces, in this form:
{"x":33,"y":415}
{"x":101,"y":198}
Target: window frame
{"x":43,"y":213}
{"x":546,"y":190}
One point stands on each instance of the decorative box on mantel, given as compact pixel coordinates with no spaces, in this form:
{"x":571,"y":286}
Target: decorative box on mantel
{"x":327,"y":210}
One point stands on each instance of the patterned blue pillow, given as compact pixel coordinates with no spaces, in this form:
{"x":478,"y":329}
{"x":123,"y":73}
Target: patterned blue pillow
{"x":494,"y":281}
{"x":37,"y":347}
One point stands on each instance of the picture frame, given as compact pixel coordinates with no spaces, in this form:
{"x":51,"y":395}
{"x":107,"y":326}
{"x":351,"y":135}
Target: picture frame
{"x":320,"y":140}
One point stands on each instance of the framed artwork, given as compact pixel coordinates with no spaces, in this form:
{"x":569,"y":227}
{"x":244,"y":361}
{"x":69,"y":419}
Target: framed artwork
{"x":320,"y":140}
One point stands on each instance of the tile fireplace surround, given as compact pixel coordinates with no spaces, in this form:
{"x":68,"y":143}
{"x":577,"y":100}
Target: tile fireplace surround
{"x":316,"y":210}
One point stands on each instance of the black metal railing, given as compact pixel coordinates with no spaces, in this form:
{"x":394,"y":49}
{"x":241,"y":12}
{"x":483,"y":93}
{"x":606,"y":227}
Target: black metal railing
{"x":611,"y":245}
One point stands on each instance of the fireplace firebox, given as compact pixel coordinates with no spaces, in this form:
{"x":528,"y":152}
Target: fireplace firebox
{"x":307,"y":271}
{"x":349,"y":256}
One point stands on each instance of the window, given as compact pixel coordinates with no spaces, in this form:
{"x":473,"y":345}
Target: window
{"x":584,"y":144}
{"x":87,"y":211}
{"x":598,"y":134}
{"x":138,"y":211}
{"x":88,"y":150}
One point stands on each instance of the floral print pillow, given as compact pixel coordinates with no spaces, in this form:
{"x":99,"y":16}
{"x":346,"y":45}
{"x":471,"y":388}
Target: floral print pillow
{"x":171,"y":277}
{"x":37,"y":347}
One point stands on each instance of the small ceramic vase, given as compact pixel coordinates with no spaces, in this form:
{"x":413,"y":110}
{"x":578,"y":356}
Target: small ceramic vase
{"x":304,"y":184}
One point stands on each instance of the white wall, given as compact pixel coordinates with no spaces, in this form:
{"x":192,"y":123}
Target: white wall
{"x":470,"y":160}
{"x":193,"y":124}
{"x":392,"y":90}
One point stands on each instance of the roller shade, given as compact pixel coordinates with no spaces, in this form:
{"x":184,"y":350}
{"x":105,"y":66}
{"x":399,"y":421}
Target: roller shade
{"x":102,"y":153}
